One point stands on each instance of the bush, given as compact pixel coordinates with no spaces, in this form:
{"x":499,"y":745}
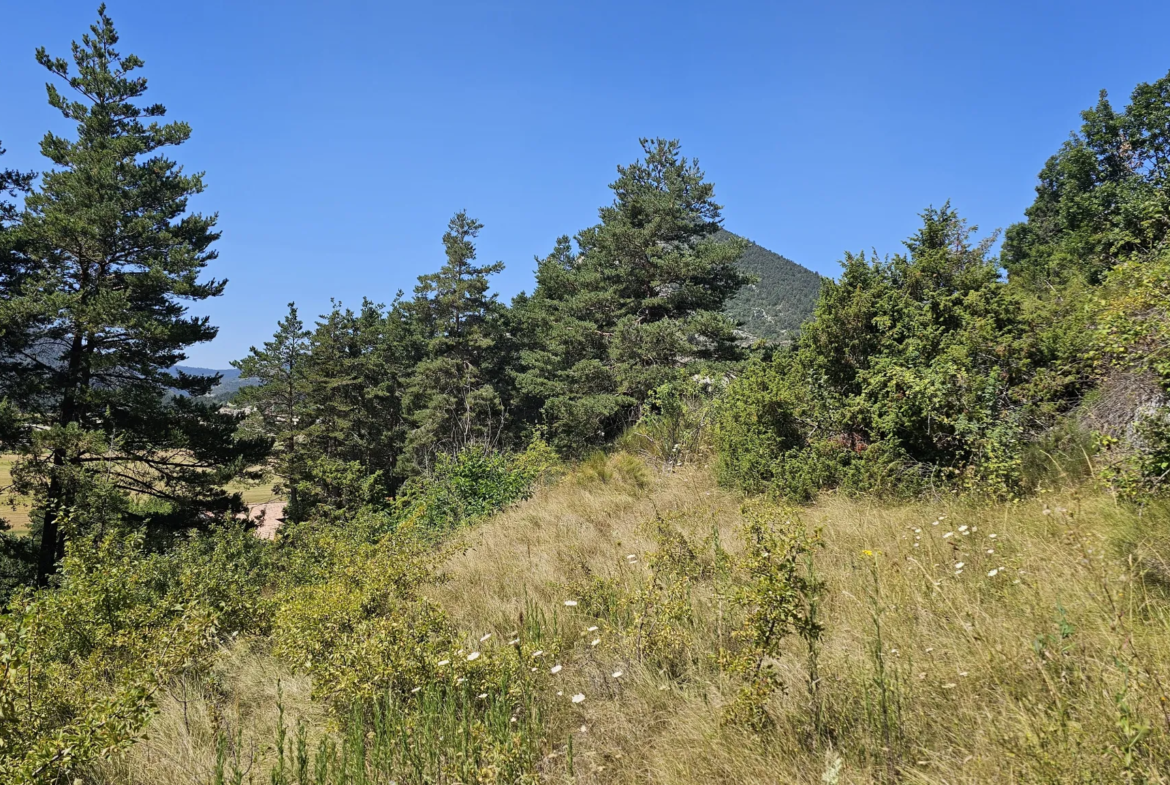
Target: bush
{"x":915,"y":370}
{"x":1134,"y":335}
{"x":80,"y":664}
{"x":470,"y":485}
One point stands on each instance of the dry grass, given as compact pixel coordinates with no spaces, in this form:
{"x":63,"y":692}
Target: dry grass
{"x":239,"y":702}
{"x":1052,"y":669}
{"x":981,"y":683}
{"x":13,"y":509}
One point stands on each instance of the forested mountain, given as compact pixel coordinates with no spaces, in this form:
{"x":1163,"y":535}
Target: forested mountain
{"x":781,"y":298}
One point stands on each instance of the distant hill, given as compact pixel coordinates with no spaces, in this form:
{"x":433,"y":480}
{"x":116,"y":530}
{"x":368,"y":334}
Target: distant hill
{"x":228,"y":385}
{"x":781,"y":300}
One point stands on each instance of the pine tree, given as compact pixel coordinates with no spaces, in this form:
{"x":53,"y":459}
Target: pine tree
{"x":357,"y":364}
{"x":110,"y":256}
{"x":455,"y":396}
{"x":13,"y":184}
{"x":277,"y":404}
{"x":641,"y":299}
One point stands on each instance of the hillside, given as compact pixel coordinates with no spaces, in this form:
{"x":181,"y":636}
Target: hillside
{"x":229,"y":383}
{"x":959,"y":643}
{"x":782,"y":298}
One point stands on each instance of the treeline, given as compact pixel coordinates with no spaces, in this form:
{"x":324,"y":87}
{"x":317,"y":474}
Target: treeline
{"x":369,"y":399}
{"x":101,"y":262}
{"x":623,"y":319}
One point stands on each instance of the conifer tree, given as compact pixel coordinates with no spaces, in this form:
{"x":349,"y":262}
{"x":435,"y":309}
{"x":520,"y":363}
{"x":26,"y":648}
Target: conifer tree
{"x":356,"y":369}
{"x":110,"y":256}
{"x":13,"y":184}
{"x":456,"y":394}
{"x":277,"y":403}
{"x":641,"y":299}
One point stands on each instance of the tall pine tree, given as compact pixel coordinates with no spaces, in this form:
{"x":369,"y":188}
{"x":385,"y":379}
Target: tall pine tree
{"x":456,"y":395}
{"x":641,"y":299}
{"x":13,"y":184}
{"x":110,"y":255}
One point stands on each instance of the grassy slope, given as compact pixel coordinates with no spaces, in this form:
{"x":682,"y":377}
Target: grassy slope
{"x":970,"y":697}
{"x":971,"y":700}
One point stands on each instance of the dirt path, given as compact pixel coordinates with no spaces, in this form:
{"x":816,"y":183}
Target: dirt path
{"x":267,"y":517}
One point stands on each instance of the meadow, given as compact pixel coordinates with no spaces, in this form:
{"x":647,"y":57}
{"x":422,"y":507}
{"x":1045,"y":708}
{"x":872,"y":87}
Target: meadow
{"x":961,"y":643}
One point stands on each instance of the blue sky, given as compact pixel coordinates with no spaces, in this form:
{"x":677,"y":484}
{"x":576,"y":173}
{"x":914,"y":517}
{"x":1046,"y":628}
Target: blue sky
{"x":339,"y":137}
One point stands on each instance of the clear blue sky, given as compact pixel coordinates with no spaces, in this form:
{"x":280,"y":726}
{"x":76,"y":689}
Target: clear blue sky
{"x":339,"y":137}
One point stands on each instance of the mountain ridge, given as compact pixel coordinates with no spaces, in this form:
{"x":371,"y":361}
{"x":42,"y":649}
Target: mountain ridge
{"x":782,"y":298}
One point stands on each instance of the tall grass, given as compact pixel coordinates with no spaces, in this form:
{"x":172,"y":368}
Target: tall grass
{"x":958,"y":643}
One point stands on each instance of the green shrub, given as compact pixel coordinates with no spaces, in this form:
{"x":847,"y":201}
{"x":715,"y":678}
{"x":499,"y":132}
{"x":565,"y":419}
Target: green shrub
{"x":916,"y":371}
{"x":81,"y":663}
{"x":470,"y":485}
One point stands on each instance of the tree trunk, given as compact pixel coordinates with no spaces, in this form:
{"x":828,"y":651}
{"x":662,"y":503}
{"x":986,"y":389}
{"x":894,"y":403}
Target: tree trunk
{"x":52,"y":542}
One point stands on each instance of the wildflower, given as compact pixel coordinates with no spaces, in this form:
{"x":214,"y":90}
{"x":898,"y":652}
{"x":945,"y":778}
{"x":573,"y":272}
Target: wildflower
{"x":595,"y":641}
{"x":538,"y":653}
{"x":473,"y":656}
{"x":555,"y":669}
{"x":867,"y":553}
{"x":460,"y":680}
{"x":444,"y":662}
{"x":512,"y":720}
{"x":578,"y":698}
{"x":990,"y":551}
{"x":617,"y":674}
{"x":484,"y":638}
{"x":993,"y":573}
{"x":571,"y":603}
